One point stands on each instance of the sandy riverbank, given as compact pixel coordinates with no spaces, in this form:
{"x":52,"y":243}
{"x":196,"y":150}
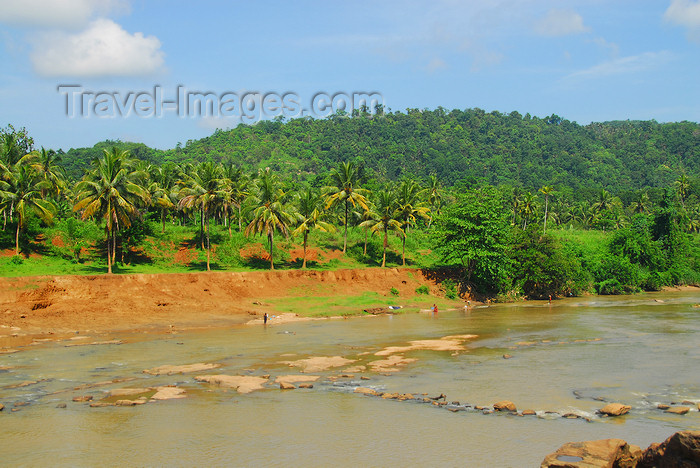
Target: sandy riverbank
{"x":61,"y":305}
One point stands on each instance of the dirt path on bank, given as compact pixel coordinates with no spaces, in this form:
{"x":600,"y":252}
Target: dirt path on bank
{"x":66,"y":304}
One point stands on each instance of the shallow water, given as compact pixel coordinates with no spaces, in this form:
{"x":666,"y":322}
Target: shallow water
{"x":632,"y":350}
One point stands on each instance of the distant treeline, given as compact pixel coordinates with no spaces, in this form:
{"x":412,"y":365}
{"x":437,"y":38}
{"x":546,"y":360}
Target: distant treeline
{"x":460,"y":147}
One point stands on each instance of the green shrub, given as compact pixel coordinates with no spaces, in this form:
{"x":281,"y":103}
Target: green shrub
{"x":394,"y":291}
{"x":450,"y":288}
{"x":16,"y":260}
{"x":422,"y":289}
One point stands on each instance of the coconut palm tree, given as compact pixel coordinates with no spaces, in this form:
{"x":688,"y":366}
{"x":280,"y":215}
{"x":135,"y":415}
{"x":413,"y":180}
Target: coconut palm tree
{"x":21,"y":188}
{"x":361,"y":217}
{"x":409,"y":207}
{"x":48,"y":166}
{"x":310,"y":215}
{"x":345,"y":190}
{"x":236,"y":192}
{"x":203,"y":190}
{"x":528,"y":205}
{"x":111,"y":191}
{"x":641,"y":204}
{"x":604,"y":202}
{"x":547,"y":191}
{"x":387,"y":218}
{"x":434,"y":197}
{"x":270,"y":214}
{"x":682,"y":185}
{"x":162,"y":189}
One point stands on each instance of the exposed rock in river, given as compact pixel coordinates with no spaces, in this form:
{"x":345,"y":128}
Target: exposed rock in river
{"x":169,"y":370}
{"x":615,"y":409}
{"x":606,"y":453}
{"x":504,"y":405}
{"x":169,"y":393}
{"x":319,"y":363}
{"x":241,"y":383}
{"x":292,"y":379}
{"x":681,"y":450}
{"x":678,"y":410}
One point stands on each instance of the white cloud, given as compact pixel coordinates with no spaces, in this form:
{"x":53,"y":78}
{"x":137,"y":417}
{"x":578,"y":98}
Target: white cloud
{"x":103,"y":49}
{"x":560,"y":23}
{"x":684,"y":12}
{"x":624,"y":65}
{"x":56,"y":13}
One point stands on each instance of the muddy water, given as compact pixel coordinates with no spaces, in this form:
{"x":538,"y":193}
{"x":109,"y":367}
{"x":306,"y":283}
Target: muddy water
{"x":565,"y":359}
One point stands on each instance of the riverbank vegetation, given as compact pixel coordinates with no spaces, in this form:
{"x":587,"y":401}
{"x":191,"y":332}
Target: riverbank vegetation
{"x":511,"y":206}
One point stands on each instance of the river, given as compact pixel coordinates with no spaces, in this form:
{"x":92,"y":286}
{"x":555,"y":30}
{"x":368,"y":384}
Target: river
{"x":568,"y":357}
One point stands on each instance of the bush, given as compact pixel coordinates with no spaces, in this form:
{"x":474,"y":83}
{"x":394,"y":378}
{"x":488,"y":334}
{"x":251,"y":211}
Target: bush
{"x":541,"y":267}
{"x":450,"y":288}
{"x":16,"y":260}
{"x":423,"y":289}
{"x":617,"y":275}
{"x":394,"y":291}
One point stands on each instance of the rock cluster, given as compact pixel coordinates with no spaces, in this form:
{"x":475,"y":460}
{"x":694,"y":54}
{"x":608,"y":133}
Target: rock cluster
{"x":681,"y":450}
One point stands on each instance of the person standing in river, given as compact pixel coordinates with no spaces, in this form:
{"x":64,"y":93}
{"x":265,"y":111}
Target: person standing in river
{"x":265,"y":319}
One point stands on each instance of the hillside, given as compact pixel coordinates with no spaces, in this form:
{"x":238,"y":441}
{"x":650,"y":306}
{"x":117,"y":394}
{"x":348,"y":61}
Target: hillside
{"x":471,"y":147}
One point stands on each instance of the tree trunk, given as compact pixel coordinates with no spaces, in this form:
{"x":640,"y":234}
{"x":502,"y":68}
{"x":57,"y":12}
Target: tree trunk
{"x":201,"y":226}
{"x":386,"y":242}
{"x":208,"y":243}
{"x":364,"y":252}
{"x":345,"y":237}
{"x":545,"y":215}
{"x":272,"y":238}
{"x":303,"y":265}
{"x":109,"y":252}
{"x":162,"y":218}
{"x":240,"y":222}
{"x":17,"y":239}
{"x":403,"y":250}
{"x":114,"y":247}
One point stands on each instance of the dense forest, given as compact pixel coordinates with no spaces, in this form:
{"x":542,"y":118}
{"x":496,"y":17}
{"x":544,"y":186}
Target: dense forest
{"x":470,"y":146}
{"x":513,"y":205}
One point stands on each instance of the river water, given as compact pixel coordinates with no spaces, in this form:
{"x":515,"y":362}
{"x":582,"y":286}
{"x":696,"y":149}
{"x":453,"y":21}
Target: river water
{"x":568,"y":357}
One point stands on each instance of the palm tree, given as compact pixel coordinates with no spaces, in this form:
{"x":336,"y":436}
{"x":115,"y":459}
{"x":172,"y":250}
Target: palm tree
{"x":48,"y":165}
{"x":604,"y":202}
{"x":270,"y":214}
{"x":409,"y":205}
{"x":162,"y":189}
{"x":547,"y":191}
{"x":203,"y":190}
{"x":362,"y":216}
{"x":528,"y":204}
{"x":236,"y":191}
{"x":22,"y":188}
{"x":310,"y":214}
{"x":110,"y":191}
{"x":345,"y":190}
{"x":434,"y":197}
{"x":682,"y":185}
{"x":386,"y":220}
{"x":642,"y":203}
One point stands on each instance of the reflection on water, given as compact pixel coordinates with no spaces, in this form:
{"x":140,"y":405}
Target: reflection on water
{"x":569,"y":357}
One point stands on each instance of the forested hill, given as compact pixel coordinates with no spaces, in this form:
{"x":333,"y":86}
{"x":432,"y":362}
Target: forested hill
{"x":456,"y":145}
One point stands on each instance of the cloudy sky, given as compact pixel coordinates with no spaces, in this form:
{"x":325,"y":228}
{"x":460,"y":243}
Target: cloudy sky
{"x":75,"y":72}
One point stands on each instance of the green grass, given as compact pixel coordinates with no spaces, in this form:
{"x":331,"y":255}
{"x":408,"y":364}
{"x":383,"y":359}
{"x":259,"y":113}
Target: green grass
{"x":315,"y":306}
{"x":155,"y":251}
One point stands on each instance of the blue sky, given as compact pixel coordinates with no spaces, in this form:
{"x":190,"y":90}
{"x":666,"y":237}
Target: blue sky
{"x":587,"y":60}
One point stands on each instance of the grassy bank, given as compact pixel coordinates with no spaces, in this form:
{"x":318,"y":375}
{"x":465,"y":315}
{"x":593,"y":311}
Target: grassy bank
{"x":62,"y":249}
